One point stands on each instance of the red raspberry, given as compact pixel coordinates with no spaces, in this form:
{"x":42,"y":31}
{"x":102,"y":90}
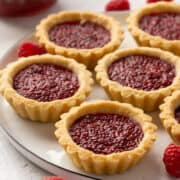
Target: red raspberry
{"x":29,"y":49}
{"x":171,"y":160}
{"x":52,"y":178}
{"x":153,"y":1}
{"x":117,"y":5}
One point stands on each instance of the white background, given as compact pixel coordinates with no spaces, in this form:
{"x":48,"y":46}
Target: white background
{"x":12,"y":165}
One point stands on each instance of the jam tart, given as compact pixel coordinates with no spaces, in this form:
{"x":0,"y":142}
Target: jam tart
{"x":157,"y":25}
{"x":42,"y":87}
{"x":140,"y":76}
{"x":105,"y":137}
{"x":170,"y":115}
{"x":84,"y":36}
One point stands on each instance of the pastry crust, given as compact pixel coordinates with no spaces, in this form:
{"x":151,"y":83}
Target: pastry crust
{"x":100,"y":163}
{"x":144,"y":39}
{"x":167,"y":116}
{"x":44,"y":111}
{"x":89,"y":57}
{"x":147,"y":100}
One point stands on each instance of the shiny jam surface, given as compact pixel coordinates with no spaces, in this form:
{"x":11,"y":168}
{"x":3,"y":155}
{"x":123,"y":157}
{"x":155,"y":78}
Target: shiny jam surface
{"x":142,"y":72}
{"x":165,"y":25}
{"x":46,"y":82}
{"x":78,"y":35}
{"x":106,"y":133}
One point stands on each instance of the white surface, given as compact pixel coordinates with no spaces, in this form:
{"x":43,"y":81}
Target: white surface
{"x":12,"y":164}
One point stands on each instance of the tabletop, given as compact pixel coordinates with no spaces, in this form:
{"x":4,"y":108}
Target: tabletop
{"x":12,"y":164}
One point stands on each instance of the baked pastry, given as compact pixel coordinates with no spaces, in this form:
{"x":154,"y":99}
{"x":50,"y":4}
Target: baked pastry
{"x":140,"y":76}
{"x":105,"y":137}
{"x":84,"y":36}
{"x":157,"y":25}
{"x":42,"y":87}
{"x":170,"y":115}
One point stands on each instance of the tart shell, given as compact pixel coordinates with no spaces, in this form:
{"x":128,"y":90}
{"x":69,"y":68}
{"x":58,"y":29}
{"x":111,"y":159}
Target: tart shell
{"x":99,"y":163}
{"x":89,"y":57}
{"x":167,"y":116}
{"x":44,"y":111}
{"x":147,"y":100}
{"x":144,"y":39}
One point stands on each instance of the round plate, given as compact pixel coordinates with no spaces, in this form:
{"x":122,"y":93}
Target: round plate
{"x":36,"y":141}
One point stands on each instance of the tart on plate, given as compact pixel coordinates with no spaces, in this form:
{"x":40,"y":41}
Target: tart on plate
{"x":170,"y":115}
{"x":105,"y":137}
{"x":84,"y":36}
{"x":42,"y":87}
{"x":157,"y":25}
{"x":140,"y":76}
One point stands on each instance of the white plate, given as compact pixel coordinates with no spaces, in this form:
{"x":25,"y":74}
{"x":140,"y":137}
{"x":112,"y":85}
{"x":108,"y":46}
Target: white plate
{"x":37,"y":142}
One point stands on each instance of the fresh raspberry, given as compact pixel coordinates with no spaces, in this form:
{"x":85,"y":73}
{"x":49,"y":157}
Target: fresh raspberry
{"x":52,"y":178}
{"x":117,"y":5}
{"x":171,"y":160}
{"x":153,"y":1}
{"x":29,"y":49}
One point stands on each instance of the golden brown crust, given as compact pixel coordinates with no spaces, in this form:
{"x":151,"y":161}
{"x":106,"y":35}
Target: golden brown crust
{"x":44,"y":111}
{"x":167,"y":116}
{"x":147,"y":100}
{"x":145,"y":39}
{"x":99,"y":163}
{"x":89,"y":57}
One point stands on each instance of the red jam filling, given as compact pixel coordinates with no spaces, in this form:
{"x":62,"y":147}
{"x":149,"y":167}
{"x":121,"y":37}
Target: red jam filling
{"x":165,"y":25}
{"x":177,"y":114}
{"x":106,"y":133}
{"x":23,"y":7}
{"x":46,"y":82}
{"x":78,"y":35}
{"x":142,"y":72}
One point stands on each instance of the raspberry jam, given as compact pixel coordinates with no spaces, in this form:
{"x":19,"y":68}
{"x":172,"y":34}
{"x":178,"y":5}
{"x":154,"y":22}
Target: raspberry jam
{"x":142,"y":72}
{"x":78,"y":35}
{"x":165,"y":25}
{"x":23,"y":7}
{"x":177,"y":114}
{"x":106,"y":133}
{"x":46,"y":82}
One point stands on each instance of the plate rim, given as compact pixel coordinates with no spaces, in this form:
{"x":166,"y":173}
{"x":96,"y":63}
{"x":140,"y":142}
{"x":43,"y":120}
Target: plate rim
{"x":9,"y":136}
{"x":12,"y":138}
